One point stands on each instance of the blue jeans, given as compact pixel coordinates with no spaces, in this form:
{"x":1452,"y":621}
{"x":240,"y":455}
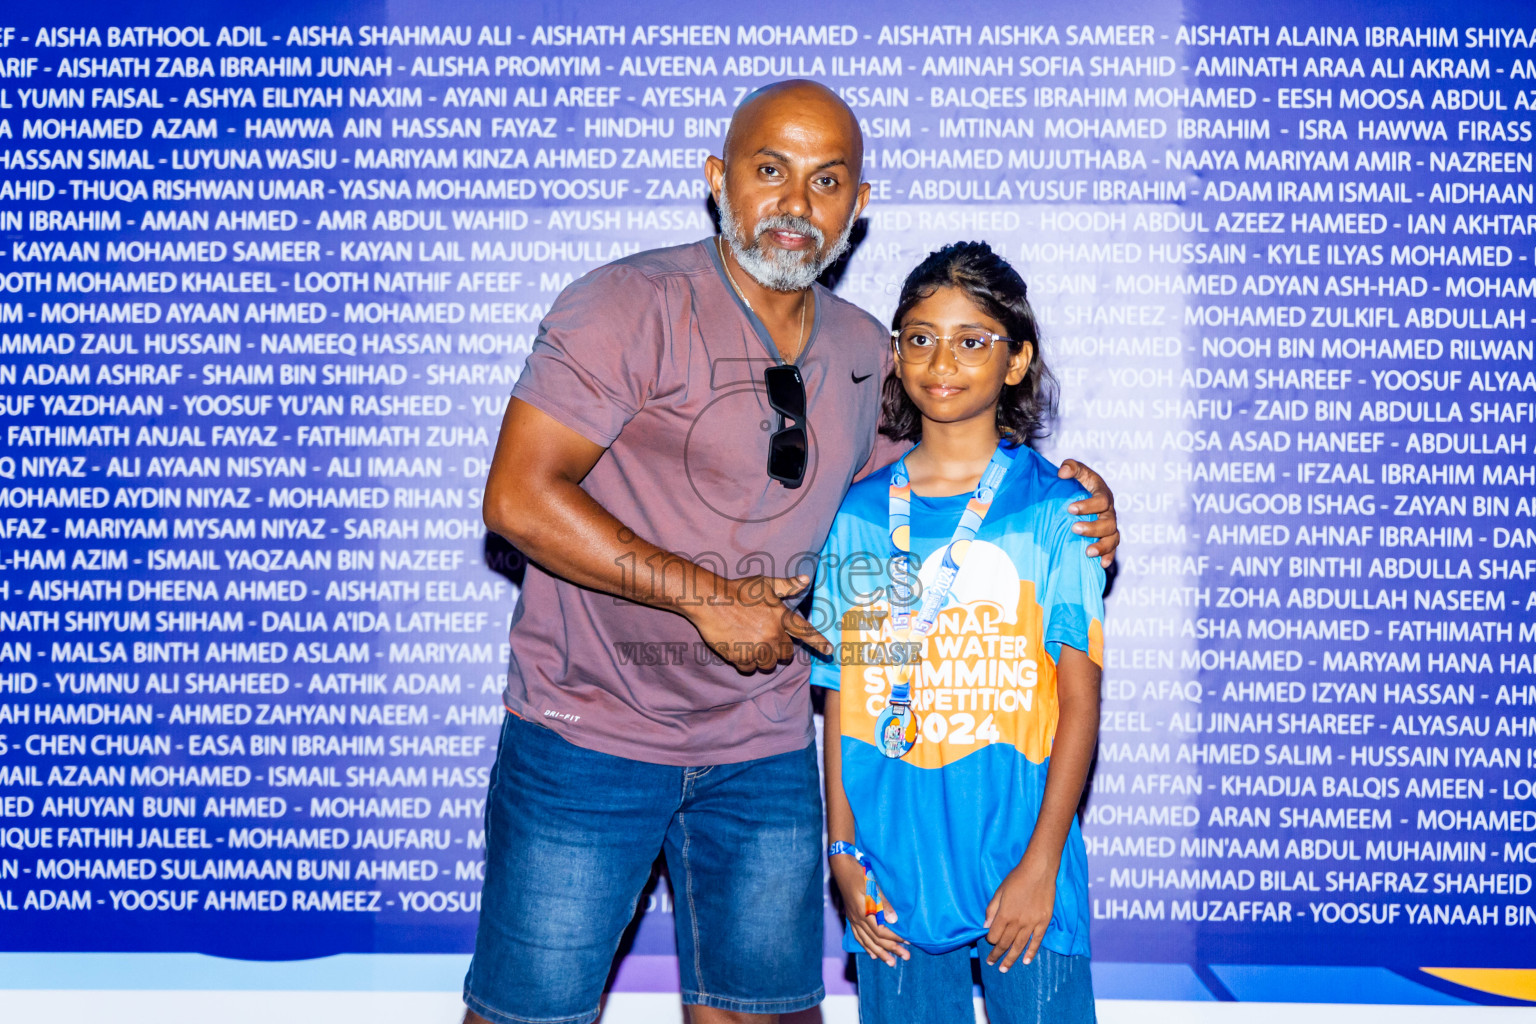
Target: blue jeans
{"x":936,"y":989}
{"x":570,"y":838}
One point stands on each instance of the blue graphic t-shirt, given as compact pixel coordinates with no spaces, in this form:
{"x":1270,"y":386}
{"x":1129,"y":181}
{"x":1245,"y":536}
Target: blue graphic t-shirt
{"x":944,"y":825}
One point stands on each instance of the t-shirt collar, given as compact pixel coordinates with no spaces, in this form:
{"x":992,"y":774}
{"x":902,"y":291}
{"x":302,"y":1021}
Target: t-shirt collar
{"x":757,"y":324}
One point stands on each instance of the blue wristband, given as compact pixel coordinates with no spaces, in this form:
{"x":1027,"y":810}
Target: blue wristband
{"x":873,"y":904}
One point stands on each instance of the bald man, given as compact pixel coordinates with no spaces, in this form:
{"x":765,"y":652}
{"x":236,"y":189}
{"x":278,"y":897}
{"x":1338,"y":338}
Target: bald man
{"x":670,"y":462}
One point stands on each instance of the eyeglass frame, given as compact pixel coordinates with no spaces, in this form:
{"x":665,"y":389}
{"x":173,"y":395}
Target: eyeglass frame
{"x":784,"y":441}
{"x":992,"y":340}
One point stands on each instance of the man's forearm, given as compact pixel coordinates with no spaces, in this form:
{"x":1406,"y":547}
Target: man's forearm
{"x":568,"y":533}
{"x":534,"y":498}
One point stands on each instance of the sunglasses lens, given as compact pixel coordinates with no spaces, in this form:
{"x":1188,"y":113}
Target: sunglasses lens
{"x":787,"y":447}
{"x":787,"y":456}
{"x":786,"y":391}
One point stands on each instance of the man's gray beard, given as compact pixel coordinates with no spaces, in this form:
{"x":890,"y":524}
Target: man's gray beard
{"x":775,"y":268}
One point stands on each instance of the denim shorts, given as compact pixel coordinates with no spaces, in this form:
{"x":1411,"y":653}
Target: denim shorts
{"x":936,"y":989}
{"x":570,"y":838}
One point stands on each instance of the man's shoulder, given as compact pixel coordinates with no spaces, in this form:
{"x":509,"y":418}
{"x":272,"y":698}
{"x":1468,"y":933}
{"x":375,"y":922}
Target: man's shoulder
{"x":850,"y":317}
{"x":656,"y":264}
{"x":632,"y":282}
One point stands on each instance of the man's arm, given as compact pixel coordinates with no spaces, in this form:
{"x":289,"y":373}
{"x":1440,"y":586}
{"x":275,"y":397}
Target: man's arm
{"x":534,"y":498}
{"x":1105,"y":530}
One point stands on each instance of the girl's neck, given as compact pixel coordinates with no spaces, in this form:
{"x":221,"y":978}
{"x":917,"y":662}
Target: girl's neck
{"x":951,"y":457}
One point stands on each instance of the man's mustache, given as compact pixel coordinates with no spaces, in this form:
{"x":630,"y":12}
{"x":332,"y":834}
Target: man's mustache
{"x":788,"y":222}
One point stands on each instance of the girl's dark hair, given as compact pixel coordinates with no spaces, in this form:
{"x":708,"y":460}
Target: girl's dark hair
{"x":1023,"y":409}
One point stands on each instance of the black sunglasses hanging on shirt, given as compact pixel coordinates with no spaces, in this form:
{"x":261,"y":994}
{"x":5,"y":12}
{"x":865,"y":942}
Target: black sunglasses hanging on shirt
{"x":787,"y":445}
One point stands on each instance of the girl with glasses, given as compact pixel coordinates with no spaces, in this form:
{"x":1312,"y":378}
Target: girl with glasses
{"x":963,"y":698}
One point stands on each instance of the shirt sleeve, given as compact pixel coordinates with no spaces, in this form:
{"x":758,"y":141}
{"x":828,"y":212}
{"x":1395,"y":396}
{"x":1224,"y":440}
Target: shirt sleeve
{"x":598,"y":353}
{"x":1074,"y":590}
{"x":883,"y":451}
{"x":850,"y":575}
{"x":827,"y":609}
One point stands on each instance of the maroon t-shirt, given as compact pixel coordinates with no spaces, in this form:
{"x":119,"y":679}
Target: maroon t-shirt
{"x":655,"y":358}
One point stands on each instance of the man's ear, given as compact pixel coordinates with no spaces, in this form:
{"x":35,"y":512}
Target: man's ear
{"x":714,"y":173}
{"x":860,"y":200}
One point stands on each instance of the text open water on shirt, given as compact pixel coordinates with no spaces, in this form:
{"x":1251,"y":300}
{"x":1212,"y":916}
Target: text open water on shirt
{"x":986,"y":677}
{"x":734,"y":490}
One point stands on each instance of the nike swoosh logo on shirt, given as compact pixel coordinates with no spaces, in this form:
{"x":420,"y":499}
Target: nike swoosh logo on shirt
{"x":860,"y":380}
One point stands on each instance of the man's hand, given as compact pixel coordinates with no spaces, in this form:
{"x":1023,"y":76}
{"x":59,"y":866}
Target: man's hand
{"x":749,"y":625}
{"x":1020,"y":910}
{"x":1100,"y":502}
{"x":878,"y":940}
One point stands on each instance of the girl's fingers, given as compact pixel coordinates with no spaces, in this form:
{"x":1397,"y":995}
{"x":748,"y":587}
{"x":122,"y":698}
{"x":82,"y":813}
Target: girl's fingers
{"x":875,"y":947}
{"x":889,"y":940}
{"x":1034,"y":945}
{"x":890,"y":911}
{"x":1001,"y":944}
{"x":876,"y":953}
{"x":1014,"y":950}
{"x":1023,"y":938}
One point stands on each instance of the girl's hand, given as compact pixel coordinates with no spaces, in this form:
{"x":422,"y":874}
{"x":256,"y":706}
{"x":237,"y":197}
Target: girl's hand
{"x":878,"y":940}
{"x":1020,"y":910}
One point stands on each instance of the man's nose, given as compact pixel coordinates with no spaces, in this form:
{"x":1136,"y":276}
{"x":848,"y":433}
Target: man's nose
{"x":796,"y":200}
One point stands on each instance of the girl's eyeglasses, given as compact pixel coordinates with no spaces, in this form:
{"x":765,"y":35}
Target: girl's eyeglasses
{"x":971,"y":347}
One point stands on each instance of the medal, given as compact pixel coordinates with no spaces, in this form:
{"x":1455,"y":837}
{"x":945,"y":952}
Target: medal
{"x":897,"y":727}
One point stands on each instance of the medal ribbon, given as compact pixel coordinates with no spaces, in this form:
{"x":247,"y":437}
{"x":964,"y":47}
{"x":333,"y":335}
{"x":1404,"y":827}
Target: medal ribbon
{"x":955,"y":551}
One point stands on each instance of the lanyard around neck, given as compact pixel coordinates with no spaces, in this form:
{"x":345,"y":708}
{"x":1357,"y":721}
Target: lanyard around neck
{"x":955,"y":551}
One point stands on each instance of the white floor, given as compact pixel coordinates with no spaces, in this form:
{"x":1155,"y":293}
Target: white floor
{"x":149,"y":1007}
